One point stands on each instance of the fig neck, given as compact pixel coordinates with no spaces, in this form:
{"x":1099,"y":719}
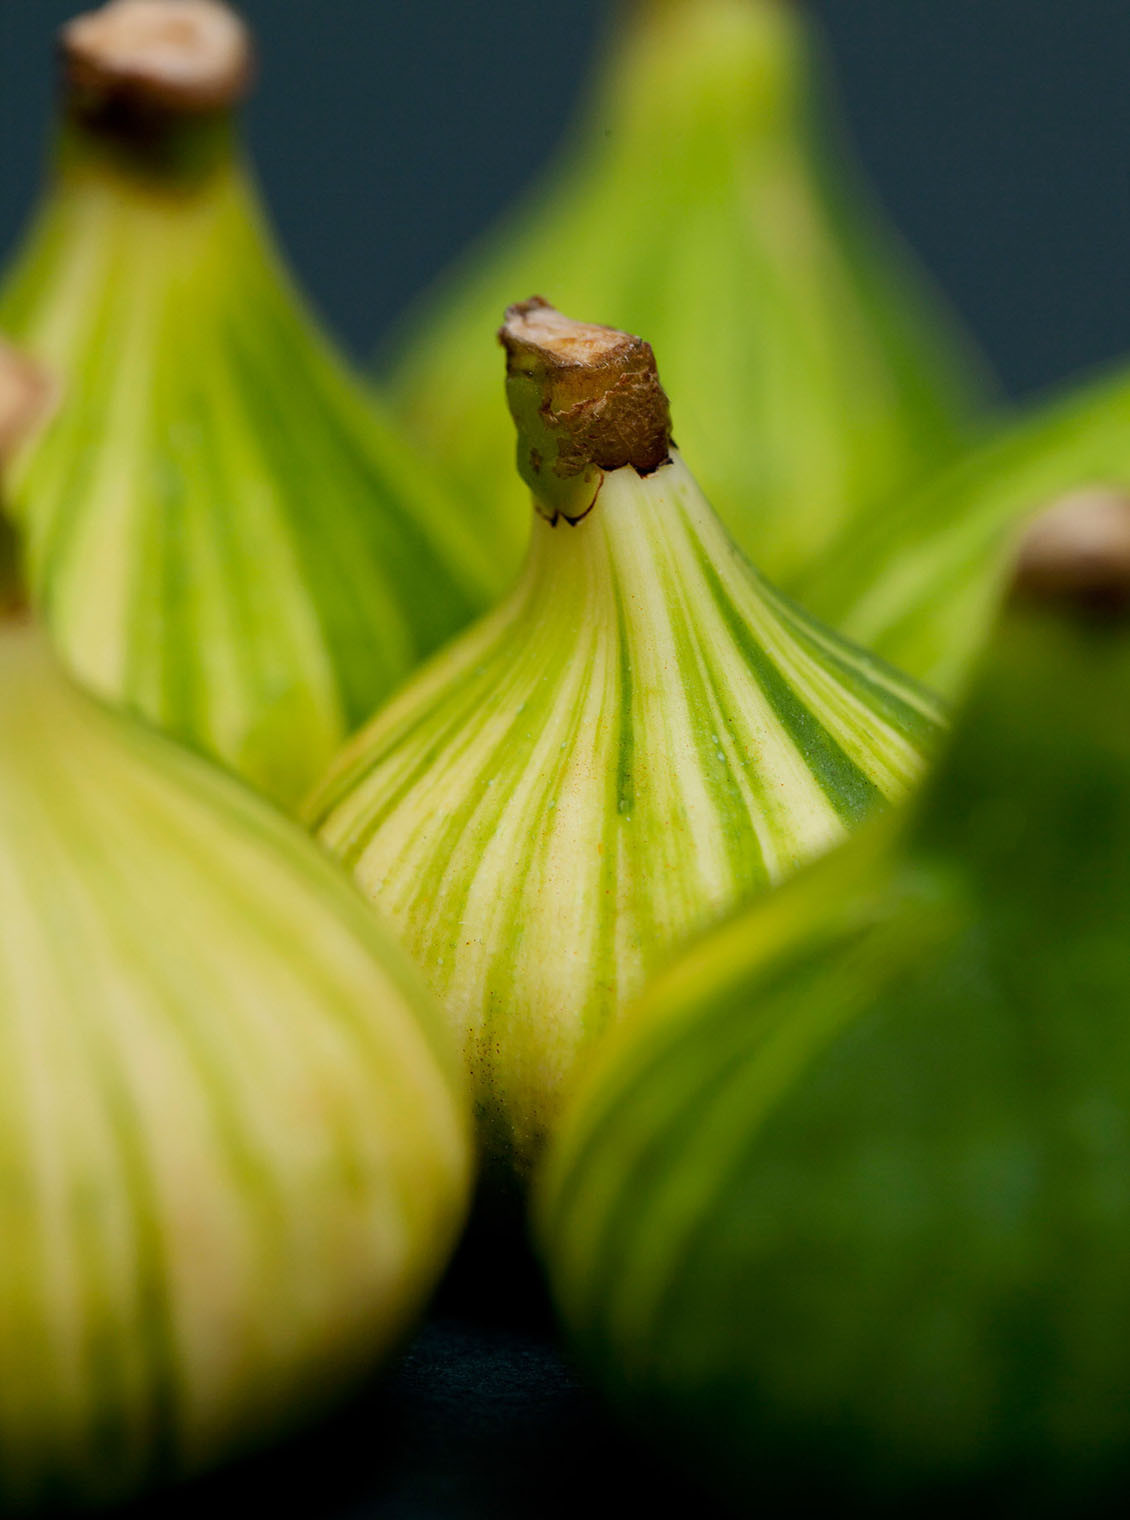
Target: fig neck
{"x":650,"y":555}
{"x":181,"y":157}
{"x":717,"y":73}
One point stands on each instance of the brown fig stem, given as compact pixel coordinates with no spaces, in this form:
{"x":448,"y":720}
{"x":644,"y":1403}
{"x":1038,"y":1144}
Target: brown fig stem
{"x":150,"y":57}
{"x":150,"y":86}
{"x":585,"y":400}
{"x":1077,"y":553}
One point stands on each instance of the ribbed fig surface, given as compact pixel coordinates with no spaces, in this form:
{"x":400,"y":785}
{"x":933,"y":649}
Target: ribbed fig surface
{"x":223,"y":533}
{"x":232,"y":1143}
{"x":643,"y":733}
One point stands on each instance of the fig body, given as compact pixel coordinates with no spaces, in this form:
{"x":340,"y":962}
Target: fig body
{"x":844,"y":1207}
{"x":223,"y":532}
{"x":233,"y":1141}
{"x":640,"y":735}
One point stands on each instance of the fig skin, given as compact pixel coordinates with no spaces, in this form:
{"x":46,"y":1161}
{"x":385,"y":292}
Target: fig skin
{"x":843,"y":1210}
{"x":234,"y":1143}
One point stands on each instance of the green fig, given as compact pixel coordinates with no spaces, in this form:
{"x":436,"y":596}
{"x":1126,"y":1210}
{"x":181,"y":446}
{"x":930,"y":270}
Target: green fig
{"x":223,"y":535}
{"x":697,"y":201}
{"x":845,"y":1206}
{"x":640,"y":735}
{"x":234,"y":1144}
{"x":919,"y":583}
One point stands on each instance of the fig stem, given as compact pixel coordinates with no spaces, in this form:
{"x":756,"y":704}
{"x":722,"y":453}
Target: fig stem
{"x":585,"y":399}
{"x":1077,"y":553}
{"x":136,"y":63}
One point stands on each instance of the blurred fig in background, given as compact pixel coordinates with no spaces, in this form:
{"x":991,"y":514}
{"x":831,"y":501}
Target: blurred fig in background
{"x":845,"y":1207}
{"x":222,"y":533}
{"x":234,"y":1146}
{"x":919,"y":583}
{"x":702,"y":202}
{"x":641,"y":735}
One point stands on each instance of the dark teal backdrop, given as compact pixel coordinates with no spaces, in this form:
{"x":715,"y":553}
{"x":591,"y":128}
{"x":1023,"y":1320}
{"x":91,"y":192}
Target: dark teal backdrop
{"x":387,"y":132}
{"x":998,"y":132}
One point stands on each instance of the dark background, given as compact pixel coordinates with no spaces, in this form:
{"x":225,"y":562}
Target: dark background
{"x":387,"y":133}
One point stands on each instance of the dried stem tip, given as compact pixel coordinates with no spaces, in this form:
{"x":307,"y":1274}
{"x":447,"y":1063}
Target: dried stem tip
{"x":598,"y":392}
{"x":190,"y":57}
{"x":1078,"y":552}
{"x":26,"y":398}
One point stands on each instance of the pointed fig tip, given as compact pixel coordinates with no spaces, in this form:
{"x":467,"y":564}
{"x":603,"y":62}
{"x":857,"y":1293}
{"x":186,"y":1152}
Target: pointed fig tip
{"x":177,"y":57}
{"x":1077,"y":552}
